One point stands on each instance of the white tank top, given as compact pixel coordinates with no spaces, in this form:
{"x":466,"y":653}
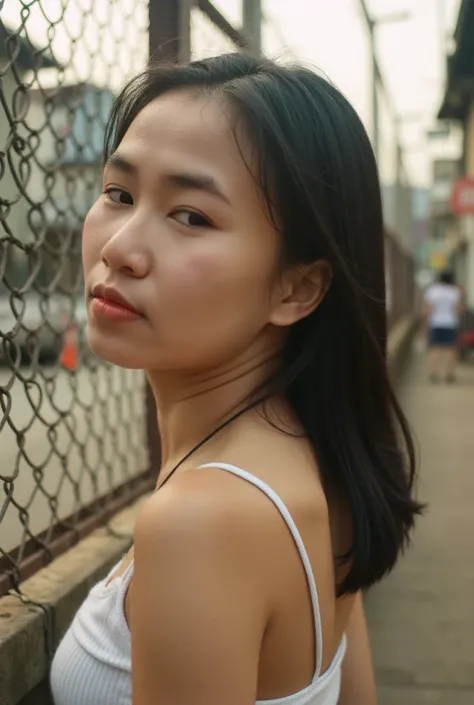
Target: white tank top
{"x":92,"y":665}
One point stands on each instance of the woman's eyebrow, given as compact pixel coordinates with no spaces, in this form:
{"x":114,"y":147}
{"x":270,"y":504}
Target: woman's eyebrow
{"x":196,"y":181}
{"x":177,"y":180}
{"x":121,"y":163}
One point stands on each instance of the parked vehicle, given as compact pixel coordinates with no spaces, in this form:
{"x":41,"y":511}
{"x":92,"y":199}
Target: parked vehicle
{"x":32,"y":324}
{"x":35,"y":326}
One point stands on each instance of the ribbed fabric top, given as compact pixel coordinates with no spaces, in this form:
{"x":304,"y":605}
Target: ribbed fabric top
{"x":92,"y":665}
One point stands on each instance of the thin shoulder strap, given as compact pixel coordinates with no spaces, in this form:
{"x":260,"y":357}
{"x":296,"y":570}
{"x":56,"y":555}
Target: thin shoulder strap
{"x":280,"y":505}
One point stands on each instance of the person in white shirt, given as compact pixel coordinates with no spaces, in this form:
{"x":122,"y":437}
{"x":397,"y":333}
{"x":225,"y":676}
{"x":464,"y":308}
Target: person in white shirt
{"x":443,"y":301}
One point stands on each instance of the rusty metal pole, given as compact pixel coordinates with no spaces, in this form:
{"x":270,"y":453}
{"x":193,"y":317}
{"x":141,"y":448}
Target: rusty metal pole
{"x":169,"y":40}
{"x":170,"y":30}
{"x":252,"y":22}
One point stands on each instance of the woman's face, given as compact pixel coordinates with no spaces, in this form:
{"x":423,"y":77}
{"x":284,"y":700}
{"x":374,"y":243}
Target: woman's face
{"x":181,"y":236}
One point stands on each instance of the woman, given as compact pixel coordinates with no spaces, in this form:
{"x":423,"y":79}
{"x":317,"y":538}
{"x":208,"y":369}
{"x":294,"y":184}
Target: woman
{"x":443,"y":303}
{"x":236,"y":255}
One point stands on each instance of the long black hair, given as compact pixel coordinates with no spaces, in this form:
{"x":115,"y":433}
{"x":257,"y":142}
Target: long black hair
{"x":446,"y":277}
{"x":318,"y":178}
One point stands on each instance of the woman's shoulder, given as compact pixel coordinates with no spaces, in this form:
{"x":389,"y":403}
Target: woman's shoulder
{"x":206,"y":528}
{"x":196,"y":501}
{"x":207,"y":509}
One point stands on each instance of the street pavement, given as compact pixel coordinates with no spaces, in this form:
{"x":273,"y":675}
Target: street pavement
{"x":421,"y":618}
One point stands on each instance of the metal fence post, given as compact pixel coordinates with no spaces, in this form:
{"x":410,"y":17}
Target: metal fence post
{"x":169,"y":39}
{"x":252,"y":20}
{"x":170,"y":30}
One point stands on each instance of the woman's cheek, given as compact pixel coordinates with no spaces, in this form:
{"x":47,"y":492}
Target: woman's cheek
{"x":91,"y":229}
{"x":213,"y":270}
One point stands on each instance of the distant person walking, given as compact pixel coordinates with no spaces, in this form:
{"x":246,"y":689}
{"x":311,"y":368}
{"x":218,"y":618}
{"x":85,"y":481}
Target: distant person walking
{"x":443,"y":301}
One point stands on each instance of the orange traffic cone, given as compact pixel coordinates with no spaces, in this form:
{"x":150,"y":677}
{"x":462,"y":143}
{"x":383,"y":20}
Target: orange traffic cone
{"x":69,"y":353}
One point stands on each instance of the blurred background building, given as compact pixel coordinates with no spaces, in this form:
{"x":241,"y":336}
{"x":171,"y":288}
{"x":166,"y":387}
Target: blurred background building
{"x":458,"y":108}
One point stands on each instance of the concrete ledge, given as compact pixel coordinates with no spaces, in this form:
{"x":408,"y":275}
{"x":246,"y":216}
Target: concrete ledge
{"x":64,"y":583}
{"x":62,"y":586}
{"x":399,"y":345}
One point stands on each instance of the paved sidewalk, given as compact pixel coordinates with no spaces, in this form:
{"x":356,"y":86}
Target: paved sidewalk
{"x":421,"y":618}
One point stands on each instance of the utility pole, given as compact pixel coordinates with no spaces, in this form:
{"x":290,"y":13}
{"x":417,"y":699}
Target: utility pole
{"x":374,"y":82}
{"x":252,"y":21}
{"x":376,"y":78}
{"x":377,"y":83}
{"x":440,"y":17}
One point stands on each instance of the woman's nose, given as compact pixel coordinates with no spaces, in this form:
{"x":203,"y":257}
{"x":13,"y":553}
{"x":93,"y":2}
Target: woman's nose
{"x":119,"y":254}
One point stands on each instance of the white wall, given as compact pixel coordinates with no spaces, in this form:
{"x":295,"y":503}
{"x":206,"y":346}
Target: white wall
{"x":9,"y":189}
{"x":468,"y":221}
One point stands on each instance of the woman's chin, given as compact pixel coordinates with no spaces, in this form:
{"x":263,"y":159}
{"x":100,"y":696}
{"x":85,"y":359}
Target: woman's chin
{"x":122,"y":354}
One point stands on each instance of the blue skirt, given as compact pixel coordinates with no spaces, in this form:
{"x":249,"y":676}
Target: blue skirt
{"x":443,"y":337}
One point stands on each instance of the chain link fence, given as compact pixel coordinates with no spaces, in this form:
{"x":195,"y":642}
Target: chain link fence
{"x":72,"y":429}
{"x":77,"y":436}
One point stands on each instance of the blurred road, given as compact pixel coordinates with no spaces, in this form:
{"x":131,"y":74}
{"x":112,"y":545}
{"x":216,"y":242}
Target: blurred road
{"x":67,"y":436}
{"x":421,"y":618}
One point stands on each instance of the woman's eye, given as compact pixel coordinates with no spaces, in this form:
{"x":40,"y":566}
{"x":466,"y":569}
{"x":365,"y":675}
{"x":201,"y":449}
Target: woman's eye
{"x":192,"y":219}
{"x":118,"y":195}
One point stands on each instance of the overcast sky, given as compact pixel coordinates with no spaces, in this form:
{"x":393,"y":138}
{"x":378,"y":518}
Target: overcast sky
{"x":332,"y":35}
{"x":329,"y":34}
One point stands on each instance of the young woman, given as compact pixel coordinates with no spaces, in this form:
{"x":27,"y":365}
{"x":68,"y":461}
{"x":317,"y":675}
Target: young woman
{"x":237,"y":255}
{"x":443,"y":303}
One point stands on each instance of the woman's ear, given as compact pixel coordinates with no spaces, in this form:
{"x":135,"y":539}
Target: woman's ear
{"x":302,"y":289}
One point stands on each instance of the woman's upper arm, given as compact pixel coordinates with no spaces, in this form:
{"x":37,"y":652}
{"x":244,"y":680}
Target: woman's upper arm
{"x":196,"y":614}
{"x":358,"y":682}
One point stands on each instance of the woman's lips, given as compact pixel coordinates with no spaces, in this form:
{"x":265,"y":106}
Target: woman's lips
{"x":112,"y":310}
{"x":108,"y":302}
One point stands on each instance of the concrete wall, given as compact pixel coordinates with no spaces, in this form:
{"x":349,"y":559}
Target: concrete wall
{"x":63,"y":178}
{"x":62,"y":586}
{"x":469,"y":143}
{"x":17,"y":215}
{"x":73,"y":164}
{"x":467,"y":222}
{"x":468,"y":235}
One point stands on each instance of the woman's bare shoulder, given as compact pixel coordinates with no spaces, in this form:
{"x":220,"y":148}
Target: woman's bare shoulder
{"x":201,"y":502}
{"x":207,"y":510}
{"x":198,"y":606}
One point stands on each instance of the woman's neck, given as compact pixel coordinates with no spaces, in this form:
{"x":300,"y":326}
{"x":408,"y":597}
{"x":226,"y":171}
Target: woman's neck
{"x":192,"y":406}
